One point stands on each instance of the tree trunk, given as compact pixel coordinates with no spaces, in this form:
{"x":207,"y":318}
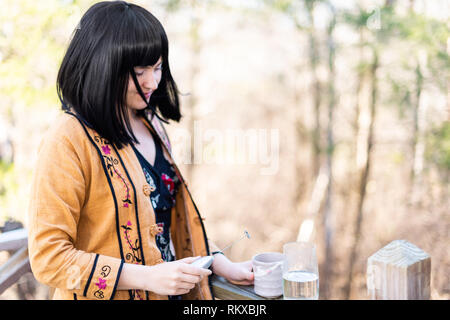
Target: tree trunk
{"x":301,"y":142}
{"x":416,"y":141}
{"x":316,"y":90}
{"x":448,"y":83}
{"x":352,"y":174}
{"x":327,"y":216}
{"x":364,"y":176}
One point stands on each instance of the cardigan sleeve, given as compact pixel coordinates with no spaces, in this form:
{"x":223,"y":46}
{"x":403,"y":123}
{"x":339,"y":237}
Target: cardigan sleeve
{"x":57,"y":197}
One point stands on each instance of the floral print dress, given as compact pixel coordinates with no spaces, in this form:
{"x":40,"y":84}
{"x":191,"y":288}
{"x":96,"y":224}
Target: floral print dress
{"x":162,"y":177}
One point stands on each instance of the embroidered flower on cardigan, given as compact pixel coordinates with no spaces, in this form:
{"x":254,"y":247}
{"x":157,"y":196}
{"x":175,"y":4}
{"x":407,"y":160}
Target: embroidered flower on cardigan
{"x":101,"y":284}
{"x":106,"y":149}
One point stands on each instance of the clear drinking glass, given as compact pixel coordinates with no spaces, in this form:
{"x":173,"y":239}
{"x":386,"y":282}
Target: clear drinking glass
{"x":300,"y":271}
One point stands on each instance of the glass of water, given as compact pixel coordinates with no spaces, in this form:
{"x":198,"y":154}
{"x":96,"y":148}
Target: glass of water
{"x":300,"y":271}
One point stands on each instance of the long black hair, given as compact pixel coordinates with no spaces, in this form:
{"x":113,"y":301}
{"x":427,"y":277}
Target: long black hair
{"x":111,"y":39}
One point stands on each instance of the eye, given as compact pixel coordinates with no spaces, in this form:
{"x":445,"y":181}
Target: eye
{"x":139,"y":71}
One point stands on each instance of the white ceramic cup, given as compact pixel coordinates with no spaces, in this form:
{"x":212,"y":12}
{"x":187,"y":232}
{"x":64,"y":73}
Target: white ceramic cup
{"x":267,"y":270}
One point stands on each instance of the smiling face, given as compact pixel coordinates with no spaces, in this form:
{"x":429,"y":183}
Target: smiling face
{"x":148,"y":78}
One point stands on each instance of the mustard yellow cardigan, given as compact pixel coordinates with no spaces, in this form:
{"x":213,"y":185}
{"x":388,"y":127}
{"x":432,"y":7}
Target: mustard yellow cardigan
{"x":90,"y":213}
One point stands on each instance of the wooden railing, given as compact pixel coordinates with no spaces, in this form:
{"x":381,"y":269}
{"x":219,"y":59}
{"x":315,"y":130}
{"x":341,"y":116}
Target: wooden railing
{"x":16,"y":243}
{"x":398,"y":271}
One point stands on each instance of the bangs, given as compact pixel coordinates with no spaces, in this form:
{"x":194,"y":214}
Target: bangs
{"x":144,"y":42}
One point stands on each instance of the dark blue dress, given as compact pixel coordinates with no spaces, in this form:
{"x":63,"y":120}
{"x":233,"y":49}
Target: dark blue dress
{"x":163,"y":178}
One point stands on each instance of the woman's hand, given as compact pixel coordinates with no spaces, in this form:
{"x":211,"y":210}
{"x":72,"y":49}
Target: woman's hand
{"x":168,"y":278}
{"x":176,"y":277}
{"x":235,"y":272}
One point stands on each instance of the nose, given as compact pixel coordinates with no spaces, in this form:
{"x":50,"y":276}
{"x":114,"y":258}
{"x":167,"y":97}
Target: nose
{"x":150,"y":81}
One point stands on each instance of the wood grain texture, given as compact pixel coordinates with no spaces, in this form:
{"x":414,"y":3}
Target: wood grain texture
{"x":399,"y":271}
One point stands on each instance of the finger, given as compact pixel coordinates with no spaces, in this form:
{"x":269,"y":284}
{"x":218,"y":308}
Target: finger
{"x":194,"y":270}
{"x":185,"y":285}
{"x":182,"y":291}
{"x":241,"y":282}
{"x":245,"y":278}
{"x":248,"y":270}
{"x":248,"y":265}
{"x":189,"y":259}
{"x":249,"y":275}
{"x":190,"y":278}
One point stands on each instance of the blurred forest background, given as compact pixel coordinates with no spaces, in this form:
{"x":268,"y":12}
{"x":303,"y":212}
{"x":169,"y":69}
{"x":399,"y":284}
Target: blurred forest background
{"x":355,"y":92}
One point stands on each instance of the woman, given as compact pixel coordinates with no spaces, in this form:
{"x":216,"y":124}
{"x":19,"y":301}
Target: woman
{"x":110,"y":214}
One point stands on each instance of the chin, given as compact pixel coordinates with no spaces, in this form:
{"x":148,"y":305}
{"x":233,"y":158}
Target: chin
{"x":139,"y":107}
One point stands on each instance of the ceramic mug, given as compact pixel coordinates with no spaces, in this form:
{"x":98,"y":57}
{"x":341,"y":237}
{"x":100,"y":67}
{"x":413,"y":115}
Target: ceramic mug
{"x":268,"y":276}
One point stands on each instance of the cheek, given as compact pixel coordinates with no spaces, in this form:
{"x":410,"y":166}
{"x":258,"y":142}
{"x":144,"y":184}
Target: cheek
{"x":132,"y":96}
{"x":158,"y":77}
{"x":131,"y":87}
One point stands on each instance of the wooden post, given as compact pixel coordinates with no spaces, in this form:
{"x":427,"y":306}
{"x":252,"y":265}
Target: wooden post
{"x":399,"y":271}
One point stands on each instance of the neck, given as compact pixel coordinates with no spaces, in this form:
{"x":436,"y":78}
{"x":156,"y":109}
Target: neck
{"x":132,"y":115}
{"x":135,"y":121}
